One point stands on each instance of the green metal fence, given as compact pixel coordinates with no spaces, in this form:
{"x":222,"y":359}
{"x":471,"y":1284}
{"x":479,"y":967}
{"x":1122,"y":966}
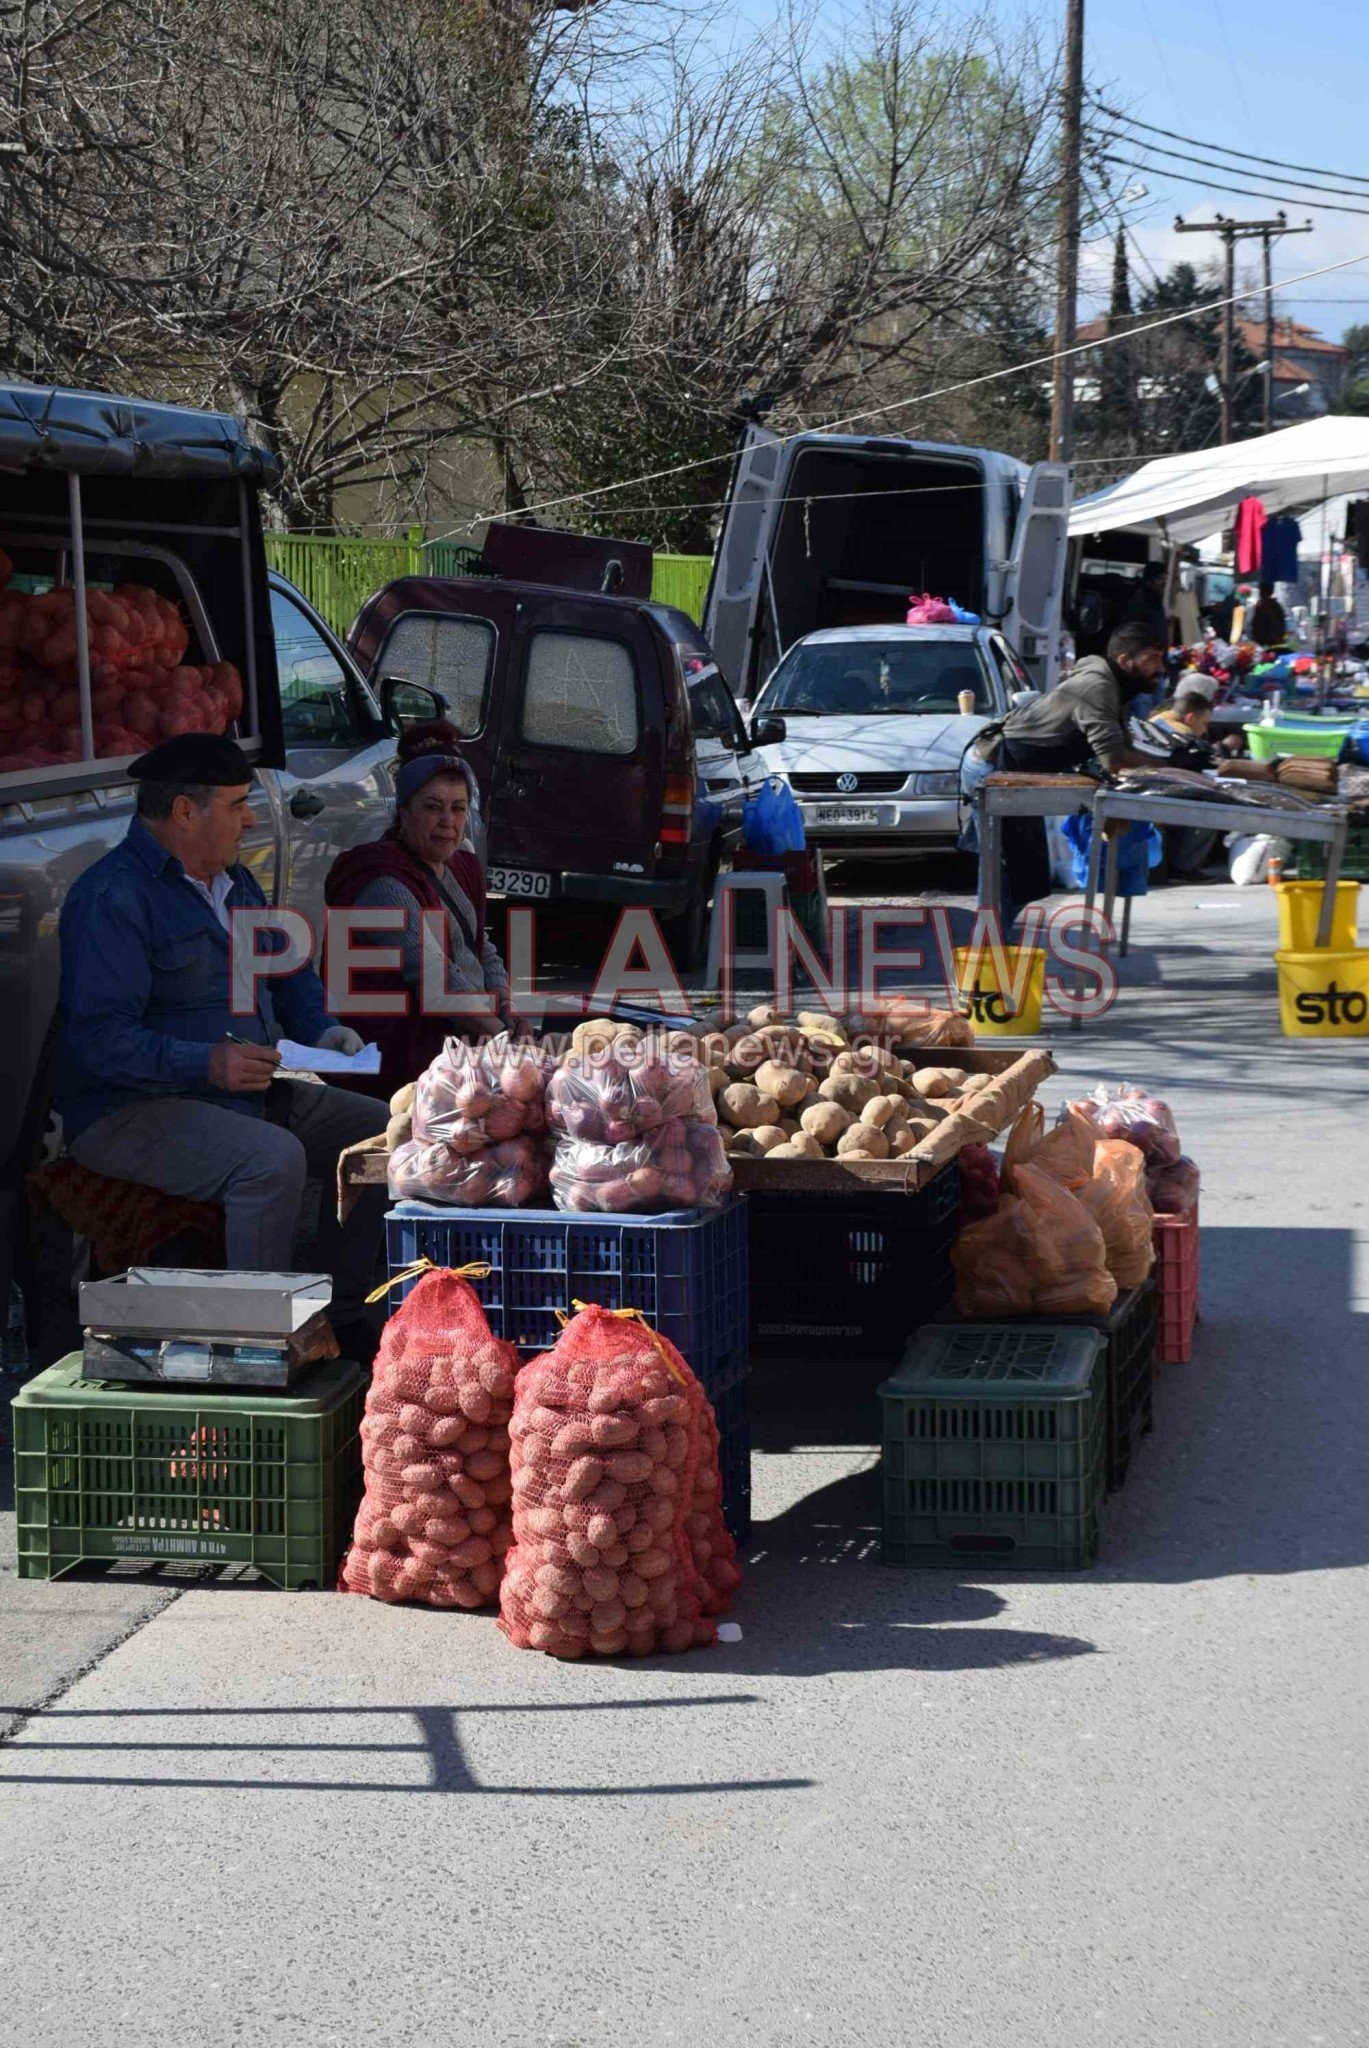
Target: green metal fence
{"x":682,"y":580}
{"x":337,"y":572}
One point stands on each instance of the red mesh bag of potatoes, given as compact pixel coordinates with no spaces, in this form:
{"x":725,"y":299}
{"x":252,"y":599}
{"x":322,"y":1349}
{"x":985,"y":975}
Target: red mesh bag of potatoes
{"x":433,"y":1525}
{"x":608,"y":1434}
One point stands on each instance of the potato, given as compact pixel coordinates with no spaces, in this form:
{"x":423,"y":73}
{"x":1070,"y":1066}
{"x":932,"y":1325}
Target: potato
{"x":746,"y":1107}
{"x":745,"y":1056}
{"x":825,"y":1121}
{"x":934,"y":1081}
{"x":816,"y":1024}
{"x":881,"y":1111}
{"x":851,"y":1091}
{"x":595,"y":1035}
{"x":902,"y":1140}
{"x":786,"y":1084}
{"x":402,"y":1101}
{"x":769,"y":1138}
{"x":742,"y":1144}
{"x":805,"y":1146}
{"x":763,"y":1015}
{"x":717,"y":1079}
{"x":975,"y":1083}
{"x":863,"y":1141}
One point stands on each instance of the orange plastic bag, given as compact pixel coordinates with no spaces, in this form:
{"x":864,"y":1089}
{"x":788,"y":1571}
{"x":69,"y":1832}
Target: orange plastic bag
{"x":1065,"y":1153}
{"x":1042,"y":1254}
{"x":1119,"y":1202}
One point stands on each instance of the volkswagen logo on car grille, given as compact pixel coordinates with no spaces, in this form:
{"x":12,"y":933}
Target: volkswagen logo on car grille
{"x":848,"y":783}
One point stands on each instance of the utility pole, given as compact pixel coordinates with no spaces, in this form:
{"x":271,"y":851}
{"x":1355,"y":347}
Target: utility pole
{"x":1067,"y":259}
{"x":1268,"y":239}
{"x":1231,"y":232}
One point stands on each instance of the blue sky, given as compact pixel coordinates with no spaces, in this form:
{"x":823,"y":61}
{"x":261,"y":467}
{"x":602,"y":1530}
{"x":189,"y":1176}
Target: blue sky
{"x":1255,"y":76}
{"x":1269,"y":76}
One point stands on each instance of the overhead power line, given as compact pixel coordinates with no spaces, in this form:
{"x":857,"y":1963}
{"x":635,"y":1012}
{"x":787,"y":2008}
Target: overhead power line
{"x":1129,"y":334}
{"x":1237,"y":191}
{"x":1269,"y":163}
{"x":1201,"y":160}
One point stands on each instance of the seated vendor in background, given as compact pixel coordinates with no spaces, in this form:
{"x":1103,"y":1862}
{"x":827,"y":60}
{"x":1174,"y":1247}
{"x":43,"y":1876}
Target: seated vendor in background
{"x":1189,"y":716}
{"x":1268,"y":624}
{"x":1082,"y":721}
{"x":157,"y":1080}
{"x":425,"y":861}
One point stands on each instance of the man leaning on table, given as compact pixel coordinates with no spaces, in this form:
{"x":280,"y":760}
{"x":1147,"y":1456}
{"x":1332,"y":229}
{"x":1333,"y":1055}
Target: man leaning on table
{"x":157,"y":1081}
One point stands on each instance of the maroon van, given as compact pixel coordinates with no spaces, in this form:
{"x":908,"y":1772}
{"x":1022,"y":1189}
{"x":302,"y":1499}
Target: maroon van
{"x":575,"y":714}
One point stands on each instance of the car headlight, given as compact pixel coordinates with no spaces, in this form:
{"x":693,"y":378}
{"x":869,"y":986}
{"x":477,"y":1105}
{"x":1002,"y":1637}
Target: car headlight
{"x":944,"y":782}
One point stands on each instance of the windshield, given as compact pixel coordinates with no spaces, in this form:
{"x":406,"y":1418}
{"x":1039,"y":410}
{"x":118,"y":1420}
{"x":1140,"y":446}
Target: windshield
{"x":866,"y":677}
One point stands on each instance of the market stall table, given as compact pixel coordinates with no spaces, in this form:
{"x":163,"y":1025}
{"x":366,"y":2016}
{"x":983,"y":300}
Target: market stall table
{"x":1021,"y":796}
{"x":1326,"y":826}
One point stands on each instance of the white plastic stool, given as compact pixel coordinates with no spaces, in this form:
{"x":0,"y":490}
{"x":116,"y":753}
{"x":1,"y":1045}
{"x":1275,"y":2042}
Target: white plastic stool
{"x":767,"y":882}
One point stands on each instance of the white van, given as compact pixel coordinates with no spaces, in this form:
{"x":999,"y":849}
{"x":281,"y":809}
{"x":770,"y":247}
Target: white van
{"x":841,"y":529}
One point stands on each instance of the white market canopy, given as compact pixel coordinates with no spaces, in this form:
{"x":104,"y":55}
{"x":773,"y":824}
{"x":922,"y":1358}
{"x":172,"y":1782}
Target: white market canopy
{"x":1185,"y":497}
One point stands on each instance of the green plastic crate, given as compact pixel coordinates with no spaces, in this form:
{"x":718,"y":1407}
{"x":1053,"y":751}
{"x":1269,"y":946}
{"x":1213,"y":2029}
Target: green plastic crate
{"x":995,"y":1447}
{"x":1310,"y":855}
{"x":104,"y":1471}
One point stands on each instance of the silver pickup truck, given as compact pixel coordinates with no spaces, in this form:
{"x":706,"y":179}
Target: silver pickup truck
{"x":103,"y":493}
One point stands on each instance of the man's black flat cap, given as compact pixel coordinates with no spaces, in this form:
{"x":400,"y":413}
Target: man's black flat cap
{"x":195,"y":757}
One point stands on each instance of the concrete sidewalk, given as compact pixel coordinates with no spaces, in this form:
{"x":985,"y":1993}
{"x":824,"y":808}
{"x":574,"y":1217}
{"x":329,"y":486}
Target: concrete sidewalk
{"x":962,"y":1810}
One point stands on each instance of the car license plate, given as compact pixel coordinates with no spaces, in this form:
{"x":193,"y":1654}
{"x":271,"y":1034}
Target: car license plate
{"x":846,"y":814}
{"x":519,"y":882}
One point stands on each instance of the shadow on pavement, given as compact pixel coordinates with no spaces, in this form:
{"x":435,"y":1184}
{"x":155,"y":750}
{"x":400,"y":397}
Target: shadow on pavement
{"x":1256,"y":1463}
{"x":438,"y":1743}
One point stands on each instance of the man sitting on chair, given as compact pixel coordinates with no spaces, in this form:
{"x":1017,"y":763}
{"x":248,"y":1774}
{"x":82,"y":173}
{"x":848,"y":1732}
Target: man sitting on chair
{"x":157,"y":1080}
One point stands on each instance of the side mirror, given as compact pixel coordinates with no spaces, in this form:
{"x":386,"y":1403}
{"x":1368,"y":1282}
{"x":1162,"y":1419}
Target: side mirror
{"x":404,"y":703}
{"x":1021,"y":697}
{"x":767,"y":730}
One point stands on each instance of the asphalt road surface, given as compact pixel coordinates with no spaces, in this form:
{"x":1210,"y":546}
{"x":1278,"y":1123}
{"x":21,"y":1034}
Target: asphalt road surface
{"x":966,"y":1810}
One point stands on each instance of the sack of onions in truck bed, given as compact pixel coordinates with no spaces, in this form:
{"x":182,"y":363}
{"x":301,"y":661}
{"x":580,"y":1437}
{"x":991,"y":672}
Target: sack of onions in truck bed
{"x":433,"y":1525}
{"x":680,"y":1166}
{"x":611,"y":1096}
{"x":619,"y":1546}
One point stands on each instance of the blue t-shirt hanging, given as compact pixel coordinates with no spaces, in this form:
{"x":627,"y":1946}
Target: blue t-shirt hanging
{"x":1279,"y":551}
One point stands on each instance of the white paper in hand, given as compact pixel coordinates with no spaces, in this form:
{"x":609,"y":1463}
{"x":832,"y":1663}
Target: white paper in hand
{"x":315,"y":1059}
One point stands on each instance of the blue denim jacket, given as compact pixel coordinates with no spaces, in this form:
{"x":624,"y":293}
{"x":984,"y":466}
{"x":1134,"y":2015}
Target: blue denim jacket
{"x":145,"y":987}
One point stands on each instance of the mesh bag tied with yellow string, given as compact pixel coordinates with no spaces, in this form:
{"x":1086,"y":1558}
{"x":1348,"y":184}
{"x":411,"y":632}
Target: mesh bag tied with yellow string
{"x":433,"y":1525}
{"x":619,"y":1542}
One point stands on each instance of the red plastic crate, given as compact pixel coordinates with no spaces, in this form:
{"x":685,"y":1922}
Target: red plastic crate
{"x":1176,"y":1286}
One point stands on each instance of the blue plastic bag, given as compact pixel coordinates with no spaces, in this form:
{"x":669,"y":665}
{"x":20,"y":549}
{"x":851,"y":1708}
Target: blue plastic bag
{"x":1139,"y":849}
{"x":772,"y":822}
{"x":1355,"y":746}
{"x":962,"y":617}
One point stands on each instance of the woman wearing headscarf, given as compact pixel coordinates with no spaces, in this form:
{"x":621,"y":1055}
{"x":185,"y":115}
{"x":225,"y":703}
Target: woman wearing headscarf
{"x":425,"y":861}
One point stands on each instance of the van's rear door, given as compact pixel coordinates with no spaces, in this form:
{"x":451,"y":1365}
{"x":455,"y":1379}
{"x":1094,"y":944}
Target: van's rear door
{"x":733,"y":613}
{"x":1036,"y":571}
{"x":581,"y":781}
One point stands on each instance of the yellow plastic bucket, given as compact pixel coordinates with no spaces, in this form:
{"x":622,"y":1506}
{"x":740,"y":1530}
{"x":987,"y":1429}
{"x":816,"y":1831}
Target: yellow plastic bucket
{"x":988,"y":1008}
{"x":1324,"y":993}
{"x":1300,"y":908}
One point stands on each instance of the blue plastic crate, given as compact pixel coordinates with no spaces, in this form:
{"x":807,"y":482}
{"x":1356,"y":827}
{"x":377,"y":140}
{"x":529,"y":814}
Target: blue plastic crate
{"x":731,"y":1398}
{"x":686,"y":1271}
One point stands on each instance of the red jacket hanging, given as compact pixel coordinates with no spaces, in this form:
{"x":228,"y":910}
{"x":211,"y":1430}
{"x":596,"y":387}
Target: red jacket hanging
{"x":1249,"y":536}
